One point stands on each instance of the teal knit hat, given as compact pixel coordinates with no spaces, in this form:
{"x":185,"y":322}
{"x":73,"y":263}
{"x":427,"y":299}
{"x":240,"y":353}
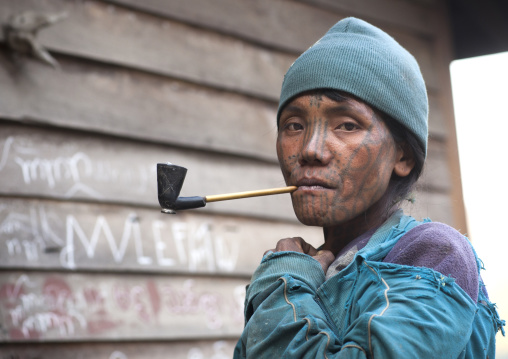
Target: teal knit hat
{"x":360,"y":59}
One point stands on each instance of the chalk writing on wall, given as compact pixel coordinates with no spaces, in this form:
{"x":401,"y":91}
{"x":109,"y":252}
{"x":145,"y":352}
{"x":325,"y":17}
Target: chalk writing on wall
{"x":53,"y":306}
{"x":34,"y":233}
{"x":72,"y":171}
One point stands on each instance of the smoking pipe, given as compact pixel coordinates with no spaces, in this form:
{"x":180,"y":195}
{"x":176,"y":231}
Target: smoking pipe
{"x":170,"y":181}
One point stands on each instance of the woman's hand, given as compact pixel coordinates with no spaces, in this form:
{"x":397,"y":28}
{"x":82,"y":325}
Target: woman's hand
{"x":297,"y":244}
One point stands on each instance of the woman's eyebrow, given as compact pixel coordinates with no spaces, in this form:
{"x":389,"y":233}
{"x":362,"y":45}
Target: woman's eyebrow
{"x":293,"y":109}
{"x":338,"y":109}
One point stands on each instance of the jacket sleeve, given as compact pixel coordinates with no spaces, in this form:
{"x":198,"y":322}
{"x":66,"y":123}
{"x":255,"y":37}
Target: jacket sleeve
{"x":393,"y":313}
{"x":283,"y":318}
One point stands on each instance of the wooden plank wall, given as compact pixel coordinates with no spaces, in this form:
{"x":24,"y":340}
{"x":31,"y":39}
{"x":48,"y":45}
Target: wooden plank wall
{"x":89,"y":267}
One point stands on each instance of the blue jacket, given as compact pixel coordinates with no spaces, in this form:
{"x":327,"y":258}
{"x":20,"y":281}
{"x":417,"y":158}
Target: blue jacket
{"x":370,"y":309}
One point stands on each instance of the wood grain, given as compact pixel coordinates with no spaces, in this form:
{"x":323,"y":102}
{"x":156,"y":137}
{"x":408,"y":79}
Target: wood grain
{"x":39,"y":162}
{"x":111,"y":34}
{"x":116,"y":35}
{"x":216,"y":349}
{"x":412,"y":16}
{"x":131,"y":104}
{"x":54,"y":306}
{"x":296,"y":23}
{"x":44,"y":235}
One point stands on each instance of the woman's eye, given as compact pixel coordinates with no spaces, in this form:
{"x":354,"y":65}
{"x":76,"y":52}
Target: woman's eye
{"x":293,"y":126}
{"x":347,"y":126}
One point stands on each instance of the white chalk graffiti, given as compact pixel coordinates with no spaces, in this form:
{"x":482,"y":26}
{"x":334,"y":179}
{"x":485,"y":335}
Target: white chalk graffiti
{"x":203,"y":246}
{"x":54,"y":170}
{"x":42,"y":232}
{"x":193,"y":248}
{"x":28,"y":234}
{"x":51,"y":171}
{"x":74,"y":174}
{"x":89,"y":245}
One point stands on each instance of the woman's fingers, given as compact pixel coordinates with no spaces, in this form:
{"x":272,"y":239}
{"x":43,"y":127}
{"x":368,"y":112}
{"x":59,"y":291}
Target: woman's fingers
{"x":298,"y":244}
{"x":295,"y":244}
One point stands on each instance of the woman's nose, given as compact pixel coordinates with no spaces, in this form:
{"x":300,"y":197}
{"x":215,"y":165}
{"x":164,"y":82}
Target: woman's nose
{"x":315,"y":148}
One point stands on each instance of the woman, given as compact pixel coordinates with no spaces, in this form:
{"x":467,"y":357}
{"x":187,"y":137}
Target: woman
{"x":352,"y":136}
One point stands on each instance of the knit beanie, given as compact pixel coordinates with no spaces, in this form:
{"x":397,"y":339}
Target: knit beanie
{"x":362,"y":60}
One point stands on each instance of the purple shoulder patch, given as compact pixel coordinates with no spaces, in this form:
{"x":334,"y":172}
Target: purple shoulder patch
{"x":442,"y":248}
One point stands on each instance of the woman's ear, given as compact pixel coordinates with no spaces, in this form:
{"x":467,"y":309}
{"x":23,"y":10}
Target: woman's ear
{"x":404,"y":160}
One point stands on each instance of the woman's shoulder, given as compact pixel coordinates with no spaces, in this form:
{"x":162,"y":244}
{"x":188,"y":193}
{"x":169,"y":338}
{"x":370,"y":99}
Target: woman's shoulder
{"x":438,"y":238}
{"x":440,"y":247}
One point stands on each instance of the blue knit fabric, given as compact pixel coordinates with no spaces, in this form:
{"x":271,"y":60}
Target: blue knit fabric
{"x":360,"y":59}
{"x":370,"y":309}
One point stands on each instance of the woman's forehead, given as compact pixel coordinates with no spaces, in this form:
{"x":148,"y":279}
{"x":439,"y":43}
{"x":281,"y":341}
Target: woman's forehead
{"x":320,"y":99}
{"x":334,"y":95}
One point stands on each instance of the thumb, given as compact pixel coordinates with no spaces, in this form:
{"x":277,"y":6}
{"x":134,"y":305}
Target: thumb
{"x":325,"y":258}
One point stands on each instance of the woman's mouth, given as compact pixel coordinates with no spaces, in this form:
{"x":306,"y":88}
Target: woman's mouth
{"x":308,"y":184}
{"x":311,"y":188}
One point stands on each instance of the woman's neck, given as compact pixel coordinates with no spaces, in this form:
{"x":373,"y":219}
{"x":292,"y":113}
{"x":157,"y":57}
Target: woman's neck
{"x":337,"y":237}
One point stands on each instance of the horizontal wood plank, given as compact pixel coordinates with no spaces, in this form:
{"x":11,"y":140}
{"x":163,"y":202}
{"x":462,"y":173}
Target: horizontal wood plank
{"x":217,"y":349}
{"x":53,"y":306}
{"x":289,"y":19}
{"x":99,"y":31}
{"x":284,"y":24}
{"x":113,"y":34}
{"x":130,"y":104}
{"x":297,"y":25}
{"x":42,"y":234}
{"x":413,"y":16}
{"x":49,"y":163}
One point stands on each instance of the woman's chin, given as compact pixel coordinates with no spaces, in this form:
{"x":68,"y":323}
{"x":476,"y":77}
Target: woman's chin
{"x":312,"y":219}
{"x":321,"y":217}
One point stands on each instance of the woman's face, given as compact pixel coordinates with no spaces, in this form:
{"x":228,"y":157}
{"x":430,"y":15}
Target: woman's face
{"x":340,"y":154}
